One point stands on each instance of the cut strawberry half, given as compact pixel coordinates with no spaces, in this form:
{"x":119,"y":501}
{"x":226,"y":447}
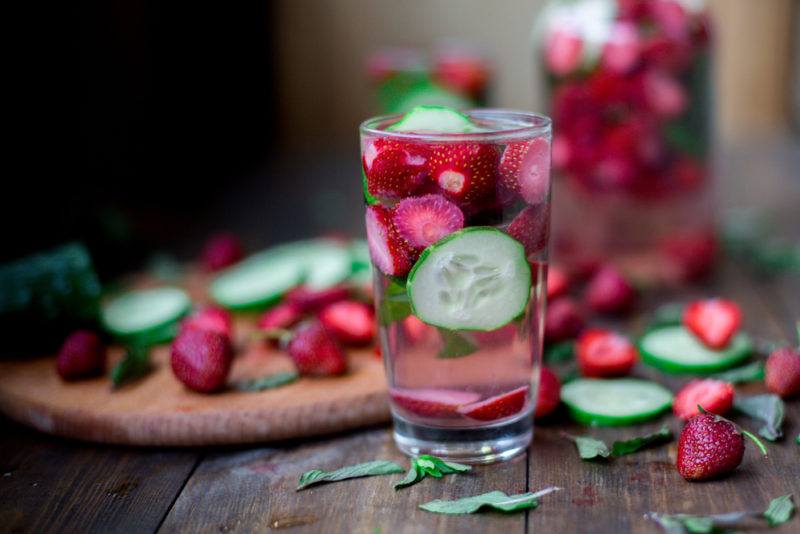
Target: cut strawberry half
{"x":549,"y":393}
{"x":713,"y":321}
{"x":525,"y":169}
{"x":557,"y":282}
{"x":531,"y":227}
{"x":386,"y":247}
{"x":466,"y":173}
{"x":432,"y":402}
{"x":312,"y":300}
{"x":284,"y":315}
{"x":602,"y":353}
{"x":351,"y":322}
{"x":715,"y":396}
{"x":394,"y":169}
{"x":422,"y":221}
{"x":213,"y":319}
{"x":497,"y":407}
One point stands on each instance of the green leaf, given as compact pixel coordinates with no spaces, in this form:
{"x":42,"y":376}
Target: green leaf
{"x":135,"y":364}
{"x":413,"y":476}
{"x":272,"y":381}
{"x":590,"y":448}
{"x":496,"y":500}
{"x":780,"y":510}
{"x":378,"y":467}
{"x":621,"y":448}
{"x":455,"y":344}
{"x":426,"y":464}
{"x":446,"y":467}
{"x":395,"y":305}
{"x":698,"y":524}
{"x":751,"y":372}
{"x":767,"y":408}
{"x":559,"y":352}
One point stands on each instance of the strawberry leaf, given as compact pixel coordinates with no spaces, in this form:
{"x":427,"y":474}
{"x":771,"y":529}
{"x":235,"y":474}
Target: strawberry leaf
{"x":496,"y":500}
{"x":135,"y":364}
{"x":767,"y":408}
{"x":589,"y":448}
{"x":780,"y":510}
{"x":272,"y":381}
{"x":455,"y":344}
{"x":378,"y":467}
{"x":621,"y":448}
{"x":752,"y":372}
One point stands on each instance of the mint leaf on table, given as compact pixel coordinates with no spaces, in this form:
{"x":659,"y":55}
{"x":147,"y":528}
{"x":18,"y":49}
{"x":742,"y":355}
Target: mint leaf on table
{"x":135,"y":364}
{"x":698,"y":524}
{"x":455,"y":344}
{"x":378,"y":467}
{"x":767,"y":408}
{"x":621,"y":448}
{"x":559,"y":352}
{"x":752,"y":372}
{"x":495,"y":500}
{"x":272,"y":381}
{"x":589,"y":448}
{"x":395,"y":305}
{"x":780,"y":510}
{"x":426,"y":464}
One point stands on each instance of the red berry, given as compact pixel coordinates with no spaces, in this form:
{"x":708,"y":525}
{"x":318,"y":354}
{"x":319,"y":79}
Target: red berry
{"x":201,"y":359}
{"x":664,"y":94}
{"x":782,"y":372}
{"x":622,"y":49}
{"x":715,"y":396}
{"x":394,"y":169}
{"x":531,"y":227}
{"x":81,"y":356}
{"x":525,"y":169}
{"x":386,"y":248}
{"x":557,"y":282}
{"x":431,"y":402}
{"x":496,"y":338}
{"x":692,"y":254}
{"x":220,"y":251}
{"x":549,"y":393}
{"x":563,"y":50}
{"x":563,"y":320}
{"x":713,"y":321}
{"x":422,"y":221}
{"x":415,"y":330}
{"x":351,"y":322}
{"x":609,"y":292}
{"x":602,"y":353}
{"x":212,"y":318}
{"x":283,"y":315}
{"x":307,"y":300}
{"x":461,"y":71}
{"x":466,"y":173}
{"x":315,"y":351}
{"x":497,"y":407}
{"x":709,"y":447}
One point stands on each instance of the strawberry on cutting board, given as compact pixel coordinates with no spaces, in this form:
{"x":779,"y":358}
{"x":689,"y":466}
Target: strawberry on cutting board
{"x":609,"y":292}
{"x":81,"y":356}
{"x":315,"y":351}
{"x":713,"y":321}
{"x":715,"y":396}
{"x":201,"y":359}
{"x":782,"y":372}
{"x":351,"y":322}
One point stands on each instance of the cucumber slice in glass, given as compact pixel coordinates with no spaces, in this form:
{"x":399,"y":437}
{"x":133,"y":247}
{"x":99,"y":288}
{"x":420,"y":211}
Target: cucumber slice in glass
{"x":434,"y":119}
{"x":674,"y":349}
{"x":473,"y":279}
{"x":146,"y":314}
{"x":615,"y":402}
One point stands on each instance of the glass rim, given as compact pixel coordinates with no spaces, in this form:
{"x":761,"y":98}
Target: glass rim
{"x":529,"y":124}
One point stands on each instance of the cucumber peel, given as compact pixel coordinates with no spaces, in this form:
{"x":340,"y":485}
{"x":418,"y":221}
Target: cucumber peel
{"x":673,"y":349}
{"x":147,"y":316}
{"x":614,"y":402}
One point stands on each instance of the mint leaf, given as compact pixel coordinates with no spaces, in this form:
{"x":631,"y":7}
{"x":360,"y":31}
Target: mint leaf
{"x":698,"y":524}
{"x":446,"y":467}
{"x":395,"y":305}
{"x":559,"y":352}
{"x":496,"y":500}
{"x":752,"y":372}
{"x":272,"y":381}
{"x":589,"y":448}
{"x":135,"y":364}
{"x":426,"y":464}
{"x":621,"y":448}
{"x":378,"y":467}
{"x":780,"y":510}
{"x":455,"y":344}
{"x":767,"y":408}
{"x":413,"y":476}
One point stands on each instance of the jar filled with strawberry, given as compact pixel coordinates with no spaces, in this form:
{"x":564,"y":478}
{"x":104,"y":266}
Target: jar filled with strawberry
{"x":628,"y":84}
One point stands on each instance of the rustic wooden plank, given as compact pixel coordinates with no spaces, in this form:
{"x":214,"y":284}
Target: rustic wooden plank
{"x":253,"y":491}
{"x":54,"y":485}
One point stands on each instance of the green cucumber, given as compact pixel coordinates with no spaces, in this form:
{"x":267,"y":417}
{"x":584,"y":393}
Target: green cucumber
{"x":615,"y":402}
{"x":434,"y":119}
{"x":146,"y":316}
{"x":674,"y":349}
{"x":361,"y":266}
{"x":475,"y":279}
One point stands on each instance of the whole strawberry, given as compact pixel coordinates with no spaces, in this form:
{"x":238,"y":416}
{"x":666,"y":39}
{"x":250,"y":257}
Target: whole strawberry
{"x":563,"y":320}
{"x":211,"y":318}
{"x":220,"y":251}
{"x":315,"y":351}
{"x":549,"y":393}
{"x":82,"y":355}
{"x":201,"y":359}
{"x":709,"y":447}
{"x":782,"y":372}
{"x":609,"y":292}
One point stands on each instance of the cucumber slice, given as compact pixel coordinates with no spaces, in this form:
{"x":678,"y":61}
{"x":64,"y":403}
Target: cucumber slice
{"x":473,"y":279}
{"x":616,"y":402}
{"x":434,"y":119}
{"x":146,"y":315}
{"x":674,"y":349}
{"x":361,"y":266}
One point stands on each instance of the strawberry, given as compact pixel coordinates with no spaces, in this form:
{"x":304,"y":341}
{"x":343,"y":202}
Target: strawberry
{"x":211,"y":318}
{"x":220,"y":251}
{"x":201,"y":359}
{"x":709,"y":447}
{"x":498,"y":406}
{"x":498,"y":337}
{"x":351,"y":322}
{"x":531,"y":227}
{"x":462,"y":71}
{"x":549,"y":393}
{"x":431,"y":402}
{"x":307,"y":300}
{"x":415,"y":330}
{"x":609,"y":292}
{"x":563,"y":50}
{"x":283,"y":315}
{"x":563,"y":320}
{"x":713,"y":321}
{"x":525,"y":169}
{"x":622,"y":49}
{"x":422,"y":221}
{"x":557,"y":282}
{"x":663,"y":94}
{"x":394,"y":169}
{"x":81,"y":356}
{"x":602,"y":353}
{"x":466,"y":173}
{"x":692,"y":254}
{"x":387,"y":249}
{"x":782,"y":372}
{"x":315,"y":351}
{"x":713,"y":395}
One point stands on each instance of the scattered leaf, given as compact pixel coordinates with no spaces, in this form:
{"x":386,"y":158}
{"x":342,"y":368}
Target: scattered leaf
{"x":496,"y":500}
{"x":589,"y":448}
{"x":621,"y":448}
{"x":135,"y":364}
{"x":752,"y":372}
{"x":272,"y":381}
{"x":378,"y":467}
{"x":455,"y":344}
{"x":434,"y":466}
{"x":780,"y":510}
{"x":767,"y":408}
{"x":559,"y":352}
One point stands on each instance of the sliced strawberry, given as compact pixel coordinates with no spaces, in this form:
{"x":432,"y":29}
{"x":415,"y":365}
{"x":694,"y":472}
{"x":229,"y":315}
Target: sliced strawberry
{"x":353,"y":323}
{"x":497,"y":407}
{"x":394,"y":169}
{"x":563,"y":320}
{"x":466,"y":173}
{"x":415,"y":330}
{"x":283,"y":315}
{"x":422,"y":221}
{"x":715,"y":396}
{"x":386,"y":247}
{"x":307,"y":300}
{"x":549,"y":393}
{"x":315,"y":351}
{"x":212,"y":318}
{"x":531,"y":227}
{"x":557,"y":282}
{"x":525,"y":169}
{"x":713,"y":321}
{"x":496,"y":338}
{"x":602,"y":353}
{"x":432,"y":402}
{"x":609,"y":292}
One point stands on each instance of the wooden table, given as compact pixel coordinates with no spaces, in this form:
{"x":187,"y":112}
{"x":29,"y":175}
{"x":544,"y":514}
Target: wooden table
{"x":50,"y":484}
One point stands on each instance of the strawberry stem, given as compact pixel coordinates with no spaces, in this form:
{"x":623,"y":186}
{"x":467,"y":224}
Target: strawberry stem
{"x":755,"y":440}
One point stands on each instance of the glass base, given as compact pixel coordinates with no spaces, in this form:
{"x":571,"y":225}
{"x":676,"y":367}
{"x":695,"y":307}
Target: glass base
{"x":481,"y":445}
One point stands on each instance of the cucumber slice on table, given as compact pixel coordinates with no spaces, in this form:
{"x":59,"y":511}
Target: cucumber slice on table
{"x":615,"y":402}
{"x":473,"y":279}
{"x":674,"y":349}
{"x":435,"y":119}
{"x":147,"y":316}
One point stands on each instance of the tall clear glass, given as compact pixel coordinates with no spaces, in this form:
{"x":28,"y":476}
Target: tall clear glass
{"x":458,"y":229}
